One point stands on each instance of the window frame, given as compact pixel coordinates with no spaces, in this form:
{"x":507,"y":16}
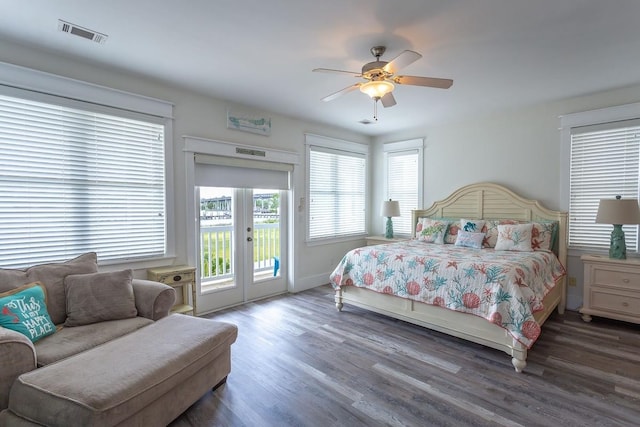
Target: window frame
{"x":582,"y":119}
{"x":358,"y":149}
{"x":50,"y":88}
{"x":400,"y":148}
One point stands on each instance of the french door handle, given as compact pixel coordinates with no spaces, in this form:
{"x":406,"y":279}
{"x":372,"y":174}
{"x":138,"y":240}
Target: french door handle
{"x":249,"y":239}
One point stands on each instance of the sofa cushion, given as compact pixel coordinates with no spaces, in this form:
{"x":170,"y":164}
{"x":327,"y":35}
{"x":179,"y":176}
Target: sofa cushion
{"x":52,"y":277}
{"x":98,"y":297}
{"x":69,"y":341}
{"x":24,"y":310}
{"x":113,"y":382}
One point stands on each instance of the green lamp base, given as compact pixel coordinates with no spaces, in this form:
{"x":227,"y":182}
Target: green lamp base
{"x":618,"y":248}
{"x":389,"y":232}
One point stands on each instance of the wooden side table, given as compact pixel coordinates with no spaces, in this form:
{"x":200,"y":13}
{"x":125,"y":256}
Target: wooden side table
{"x":611,"y":288}
{"x":379,"y":240}
{"x":178,"y":276}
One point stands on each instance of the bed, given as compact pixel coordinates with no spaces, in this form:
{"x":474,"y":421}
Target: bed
{"x":363,"y":276}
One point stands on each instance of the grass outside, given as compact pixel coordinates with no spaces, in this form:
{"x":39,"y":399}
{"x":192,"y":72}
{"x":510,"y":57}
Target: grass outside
{"x":217,"y":246}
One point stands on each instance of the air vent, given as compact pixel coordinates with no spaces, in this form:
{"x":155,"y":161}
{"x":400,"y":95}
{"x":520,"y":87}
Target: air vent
{"x":85,"y":33}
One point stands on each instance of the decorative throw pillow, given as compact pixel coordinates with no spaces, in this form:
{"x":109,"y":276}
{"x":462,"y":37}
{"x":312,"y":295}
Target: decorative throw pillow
{"x":24,"y":310}
{"x":542,"y":234}
{"x":98,"y":297}
{"x":491,"y":227}
{"x":472,"y":225}
{"x":514,"y":237}
{"x":433,"y":230}
{"x":469,"y":239}
{"x":452,"y":232}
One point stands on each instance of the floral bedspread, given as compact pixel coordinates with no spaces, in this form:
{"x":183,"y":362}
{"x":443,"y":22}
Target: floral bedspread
{"x":504,"y":287}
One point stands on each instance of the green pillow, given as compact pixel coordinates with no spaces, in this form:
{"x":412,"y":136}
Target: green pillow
{"x":24,"y":310}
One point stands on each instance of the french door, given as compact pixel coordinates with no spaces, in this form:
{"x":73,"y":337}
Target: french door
{"x":242,"y":245}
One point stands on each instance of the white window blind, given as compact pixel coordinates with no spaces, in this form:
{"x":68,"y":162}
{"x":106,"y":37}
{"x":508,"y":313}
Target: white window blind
{"x":403,"y":186}
{"x":337,"y":187}
{"x":604,"y":163}
{"x":75,"y":180}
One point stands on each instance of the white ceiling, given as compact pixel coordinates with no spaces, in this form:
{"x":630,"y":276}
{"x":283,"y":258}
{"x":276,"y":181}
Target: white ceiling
{"x":501,"y":54}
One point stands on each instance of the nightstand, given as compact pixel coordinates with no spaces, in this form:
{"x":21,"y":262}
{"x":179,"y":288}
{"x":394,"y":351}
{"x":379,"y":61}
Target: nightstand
{"x":611,"y":288}
{"x":379,"y":240}
{"x":178,"y":276}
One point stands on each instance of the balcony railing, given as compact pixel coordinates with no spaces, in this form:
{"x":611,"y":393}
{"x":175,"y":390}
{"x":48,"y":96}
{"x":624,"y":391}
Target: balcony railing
{"x":216,"y":249}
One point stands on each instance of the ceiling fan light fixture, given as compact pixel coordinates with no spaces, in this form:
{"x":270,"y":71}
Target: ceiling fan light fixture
{"x":376,"y":89}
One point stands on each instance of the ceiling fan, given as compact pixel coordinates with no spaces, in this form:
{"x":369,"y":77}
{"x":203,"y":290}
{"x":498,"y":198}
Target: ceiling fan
{"x":380,"y":77}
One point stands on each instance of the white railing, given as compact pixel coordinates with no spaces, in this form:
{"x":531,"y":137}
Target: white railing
{"x":216,"y":247}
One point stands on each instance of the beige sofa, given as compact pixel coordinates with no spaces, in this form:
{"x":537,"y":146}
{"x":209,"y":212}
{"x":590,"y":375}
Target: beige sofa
{"x":127,"y":362}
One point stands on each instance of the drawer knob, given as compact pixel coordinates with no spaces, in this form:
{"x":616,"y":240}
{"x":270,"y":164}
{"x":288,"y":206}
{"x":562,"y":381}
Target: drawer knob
{"x":625,"y":304}
{"x":177,"y":278}
{"x":625,"y":280}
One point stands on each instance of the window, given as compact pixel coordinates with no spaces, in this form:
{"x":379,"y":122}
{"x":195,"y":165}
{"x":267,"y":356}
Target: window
{"x":337,"y":173}
{"x":604,"y":160}
{"x":403,"y":179}
{"x":77,"y":177}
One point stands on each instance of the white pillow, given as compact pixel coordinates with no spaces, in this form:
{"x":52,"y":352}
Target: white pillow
{"x":469,"y":240}
{"x":433,"y":231}
{"x":514,"y":237}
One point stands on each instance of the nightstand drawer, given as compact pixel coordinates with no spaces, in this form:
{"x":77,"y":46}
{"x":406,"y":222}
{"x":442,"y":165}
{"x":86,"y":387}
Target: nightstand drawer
{"x":176,"y":277}
{"x":620,"y":278}
{"x":603,"y":299}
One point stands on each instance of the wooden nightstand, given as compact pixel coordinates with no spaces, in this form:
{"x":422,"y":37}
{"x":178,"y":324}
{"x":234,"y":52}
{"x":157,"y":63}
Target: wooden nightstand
{"x":379,"y":240}
{"x":611,"y":288}
{"x":178,"y":276}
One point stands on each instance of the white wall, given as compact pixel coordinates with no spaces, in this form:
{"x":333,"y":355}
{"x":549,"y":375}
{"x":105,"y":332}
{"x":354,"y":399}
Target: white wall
{"x":204,"y":116}
{"x":518,"y":148}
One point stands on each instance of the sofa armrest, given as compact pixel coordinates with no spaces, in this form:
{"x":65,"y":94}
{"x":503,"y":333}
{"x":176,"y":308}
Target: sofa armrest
{"x":18,"y":355}
{"x":153,"y":299}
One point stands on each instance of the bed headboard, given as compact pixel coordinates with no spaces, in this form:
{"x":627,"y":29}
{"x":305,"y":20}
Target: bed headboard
{"x":492,"y":201}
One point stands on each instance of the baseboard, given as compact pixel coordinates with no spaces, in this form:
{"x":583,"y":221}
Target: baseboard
{"x":309,"y":282}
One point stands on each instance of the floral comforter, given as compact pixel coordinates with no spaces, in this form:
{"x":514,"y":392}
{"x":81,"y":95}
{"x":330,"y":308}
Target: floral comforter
{"x":504,"y":287}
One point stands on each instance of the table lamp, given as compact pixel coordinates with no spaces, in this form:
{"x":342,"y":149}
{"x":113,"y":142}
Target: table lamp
{"x":618,"y":211}
{"x":390,"y":208}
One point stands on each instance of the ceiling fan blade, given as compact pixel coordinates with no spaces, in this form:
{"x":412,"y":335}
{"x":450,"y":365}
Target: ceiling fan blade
{"x":341,"y":92}
{"x":329,"y":70}
{"x":388,"y":100}
{"x":399,"y":62}
{"x":423,"y":81}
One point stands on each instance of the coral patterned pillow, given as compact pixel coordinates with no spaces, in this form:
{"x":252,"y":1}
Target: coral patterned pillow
{"x":469,"y":240}
{"x":491,"y":230}
{"x":542,"y":235}
{"x":514,"y":237}
{"x":432,"y":230}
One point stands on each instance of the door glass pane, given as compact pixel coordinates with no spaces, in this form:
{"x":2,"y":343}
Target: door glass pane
{"x":266,"y":234}
{"x":216,"y":238}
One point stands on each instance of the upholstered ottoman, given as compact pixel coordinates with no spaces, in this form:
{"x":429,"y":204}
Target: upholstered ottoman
{"x":145,"y":378}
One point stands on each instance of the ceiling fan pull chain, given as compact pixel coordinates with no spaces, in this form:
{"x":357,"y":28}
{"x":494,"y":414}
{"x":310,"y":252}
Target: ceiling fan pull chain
{"x":375,"y":110}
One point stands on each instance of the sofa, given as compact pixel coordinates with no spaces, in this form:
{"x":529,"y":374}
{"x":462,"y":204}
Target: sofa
{"x":81,"y":347}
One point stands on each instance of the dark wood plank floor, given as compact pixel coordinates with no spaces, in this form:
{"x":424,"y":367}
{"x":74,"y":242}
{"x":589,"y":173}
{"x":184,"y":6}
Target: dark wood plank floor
{"x":299,"y":362}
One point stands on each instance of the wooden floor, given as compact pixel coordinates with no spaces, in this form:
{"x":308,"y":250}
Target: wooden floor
{"x":299,"y":362}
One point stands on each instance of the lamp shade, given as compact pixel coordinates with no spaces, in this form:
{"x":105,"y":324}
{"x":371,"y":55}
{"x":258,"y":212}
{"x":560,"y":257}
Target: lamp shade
{"x":390,"y":208}
{"x":618,"y":211}
{"x":376,"y":88}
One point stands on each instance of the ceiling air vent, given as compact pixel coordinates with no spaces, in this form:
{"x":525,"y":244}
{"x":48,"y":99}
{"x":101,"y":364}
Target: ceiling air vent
{"x":85,"y":33}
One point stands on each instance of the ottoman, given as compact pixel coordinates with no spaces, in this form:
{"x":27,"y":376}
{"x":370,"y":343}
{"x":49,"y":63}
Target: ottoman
{"x":145,"y":378}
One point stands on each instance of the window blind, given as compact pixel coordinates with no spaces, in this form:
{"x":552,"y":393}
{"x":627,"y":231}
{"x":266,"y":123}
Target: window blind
{"x":337,"y":184}
{"x":402,"y":185}
{"x":74,"y":180}
{"x":604,"y":163}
